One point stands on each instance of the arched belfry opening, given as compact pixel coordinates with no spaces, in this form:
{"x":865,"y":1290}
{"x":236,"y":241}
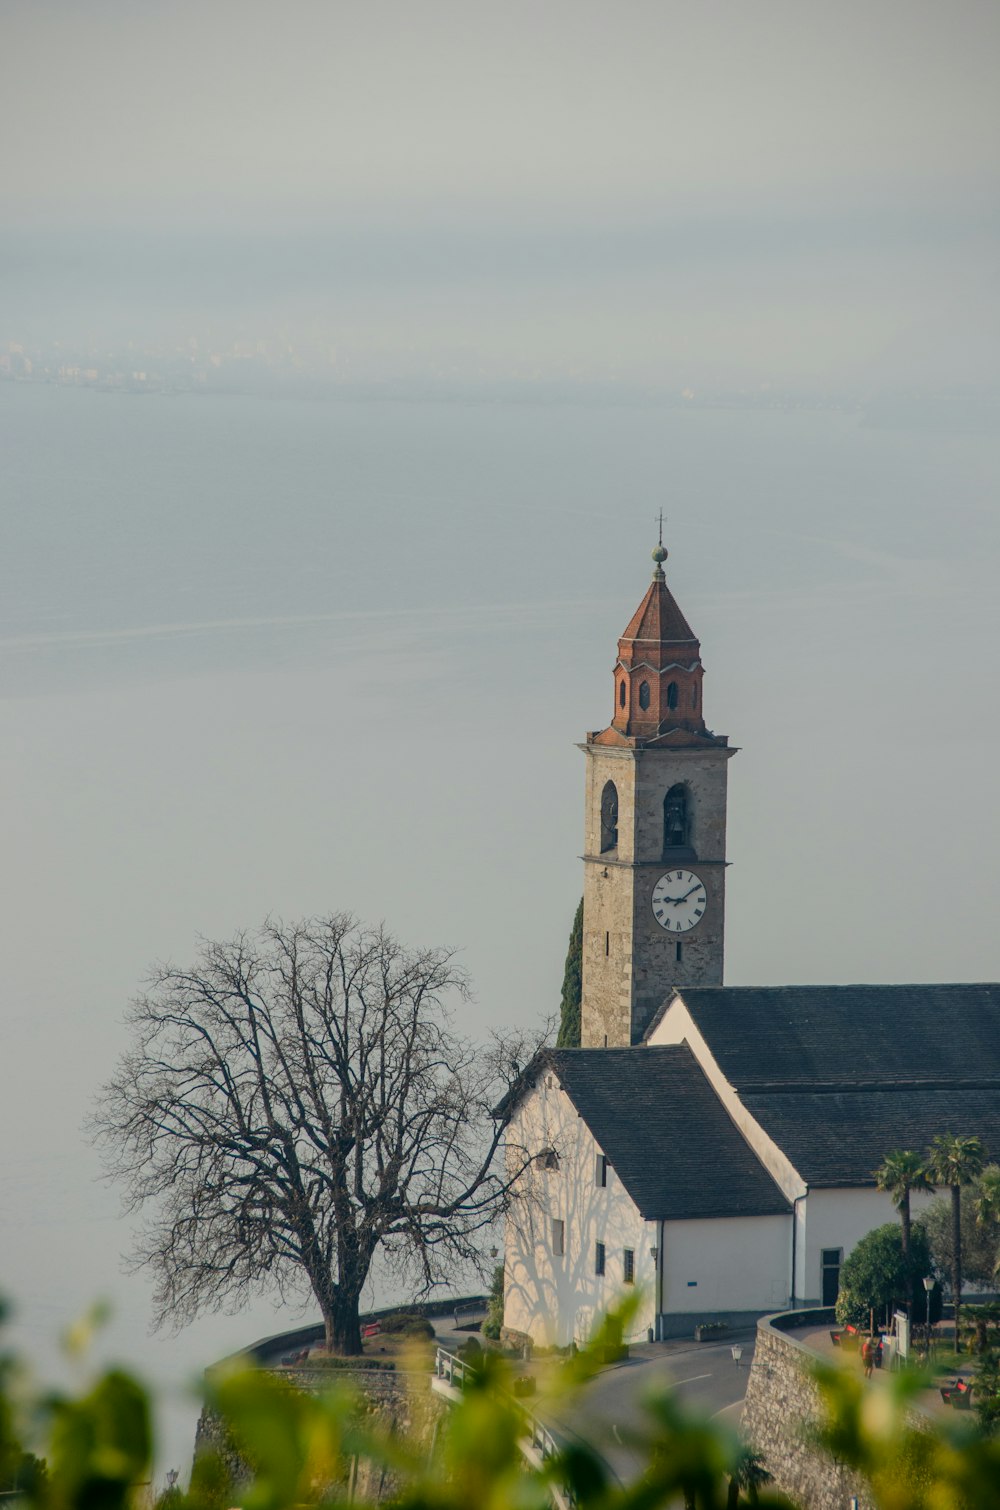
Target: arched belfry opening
{"x":676,"y":818}
{"x":609,"y":817}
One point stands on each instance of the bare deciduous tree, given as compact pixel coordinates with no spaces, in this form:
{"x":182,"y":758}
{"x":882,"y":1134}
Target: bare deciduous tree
{"x":293,"y":1105}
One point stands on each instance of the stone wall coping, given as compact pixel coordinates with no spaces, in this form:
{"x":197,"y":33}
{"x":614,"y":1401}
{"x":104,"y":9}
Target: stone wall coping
{"x":313,"y":1331}
{"x":817,"y":1316}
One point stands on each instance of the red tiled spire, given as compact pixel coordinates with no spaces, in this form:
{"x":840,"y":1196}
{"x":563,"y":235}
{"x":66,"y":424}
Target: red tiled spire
{"x":658,"y":674}
{"x":658,"y":617}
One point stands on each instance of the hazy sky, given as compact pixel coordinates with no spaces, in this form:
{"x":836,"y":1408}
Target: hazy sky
{"x":785,"y":190}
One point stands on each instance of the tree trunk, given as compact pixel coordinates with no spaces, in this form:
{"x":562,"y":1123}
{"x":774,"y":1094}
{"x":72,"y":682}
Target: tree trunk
{"x":341,"y":1322}
{"x":904,"y":1217}
{"x":956,"y":1261}
{"x":343,"y":1329}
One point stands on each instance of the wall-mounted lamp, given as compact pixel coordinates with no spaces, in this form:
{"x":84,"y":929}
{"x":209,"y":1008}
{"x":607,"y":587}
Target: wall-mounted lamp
{"x":604,"y":872}
{"x":653,"y":1253}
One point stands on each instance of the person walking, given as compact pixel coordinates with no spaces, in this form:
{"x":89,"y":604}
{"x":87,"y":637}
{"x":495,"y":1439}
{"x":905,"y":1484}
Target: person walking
{"x":868,"y":1356}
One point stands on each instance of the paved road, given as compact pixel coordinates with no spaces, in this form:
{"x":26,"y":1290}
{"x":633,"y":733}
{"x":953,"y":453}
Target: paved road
{"x":609,"y":1410}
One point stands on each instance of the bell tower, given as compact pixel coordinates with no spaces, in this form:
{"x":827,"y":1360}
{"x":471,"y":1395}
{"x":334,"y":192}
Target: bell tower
{"x":654,"y":829}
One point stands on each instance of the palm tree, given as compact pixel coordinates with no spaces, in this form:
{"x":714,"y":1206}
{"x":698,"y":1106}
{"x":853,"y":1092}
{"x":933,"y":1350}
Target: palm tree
{"x":900,"y":1172}
{"x":988,"y":1200}
{"x":750,"y":1475}
{"x":955,"y":1162}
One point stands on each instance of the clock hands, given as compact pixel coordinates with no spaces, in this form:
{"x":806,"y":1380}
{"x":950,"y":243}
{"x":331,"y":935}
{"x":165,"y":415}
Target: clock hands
{"x":676,"y":901}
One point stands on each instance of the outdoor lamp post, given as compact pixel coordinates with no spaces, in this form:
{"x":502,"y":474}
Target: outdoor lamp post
{"x":737,"y":1353}
{"x":928,"y":1287}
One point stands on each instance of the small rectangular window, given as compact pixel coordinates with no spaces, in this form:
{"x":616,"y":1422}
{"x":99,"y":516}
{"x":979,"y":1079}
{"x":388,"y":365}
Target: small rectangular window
{"x":680,"y":949}
{"x":558,"y":1237}
{"x":607,"y":945}
{"x":598,"y":1258}
{"x":601,"y":1170}
{"x":628,"y":1265}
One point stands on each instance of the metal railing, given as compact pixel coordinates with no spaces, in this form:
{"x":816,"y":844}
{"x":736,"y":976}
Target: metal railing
{"x":541,"y":1438}
{"x":456,"y":1372}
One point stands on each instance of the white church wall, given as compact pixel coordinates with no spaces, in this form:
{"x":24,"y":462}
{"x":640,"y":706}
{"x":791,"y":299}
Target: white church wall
{"x":555,"y":1298}
{"x":726,"y":1264}
{"x":839,"y":1219}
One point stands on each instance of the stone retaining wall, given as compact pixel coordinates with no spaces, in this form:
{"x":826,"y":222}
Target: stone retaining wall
{"x":782,"y":1404}
{"x":401,"y":1403}
{"x":782,"y":1408}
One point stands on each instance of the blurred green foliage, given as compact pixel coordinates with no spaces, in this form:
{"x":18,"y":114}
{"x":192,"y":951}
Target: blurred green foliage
{"x":302,"y":1449}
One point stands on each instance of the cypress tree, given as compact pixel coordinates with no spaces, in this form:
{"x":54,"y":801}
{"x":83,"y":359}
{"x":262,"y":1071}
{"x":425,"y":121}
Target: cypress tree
{"x":569,"y":1010}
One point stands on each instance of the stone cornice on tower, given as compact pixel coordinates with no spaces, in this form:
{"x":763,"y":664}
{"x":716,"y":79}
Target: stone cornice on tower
{"x":658,"y":677}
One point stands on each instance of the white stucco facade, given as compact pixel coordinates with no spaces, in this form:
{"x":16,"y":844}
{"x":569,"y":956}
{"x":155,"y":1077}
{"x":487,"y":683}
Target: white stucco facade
{"x":739,"y":1263}
{"x":554,"y":1298}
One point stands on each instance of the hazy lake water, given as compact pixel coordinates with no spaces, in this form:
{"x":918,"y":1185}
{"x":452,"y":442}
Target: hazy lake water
{"x":284,"y":657}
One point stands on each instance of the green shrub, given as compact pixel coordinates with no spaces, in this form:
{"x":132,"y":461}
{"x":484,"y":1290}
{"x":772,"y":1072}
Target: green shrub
{"x":494,"y":1307}
{"x":406,"y":1322}
{"x":875,"y":1278}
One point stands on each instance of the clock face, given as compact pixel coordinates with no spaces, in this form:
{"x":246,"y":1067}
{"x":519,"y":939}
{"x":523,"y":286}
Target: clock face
{"x":679,"y":901}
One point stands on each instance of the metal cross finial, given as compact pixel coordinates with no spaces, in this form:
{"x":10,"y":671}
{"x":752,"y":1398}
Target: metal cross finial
{"x":659,"y":554}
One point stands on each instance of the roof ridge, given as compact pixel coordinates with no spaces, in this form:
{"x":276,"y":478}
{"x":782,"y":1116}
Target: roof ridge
{"x":858,"y":985}
{"x":848,"y":1087}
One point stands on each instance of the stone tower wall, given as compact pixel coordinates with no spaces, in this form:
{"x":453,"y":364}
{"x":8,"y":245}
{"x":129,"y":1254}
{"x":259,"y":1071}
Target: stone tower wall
{"x":630,"y":963}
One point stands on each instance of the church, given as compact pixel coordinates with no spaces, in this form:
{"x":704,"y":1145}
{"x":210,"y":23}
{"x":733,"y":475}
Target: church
{"x":709,"y":1147}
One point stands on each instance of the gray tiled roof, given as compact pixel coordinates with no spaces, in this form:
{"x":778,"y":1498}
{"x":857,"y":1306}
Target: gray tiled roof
{"x":839,"y":1138}
{"x":850,"y":1036}
{"x":664,"y":1131}
{"x":840,"y":1076}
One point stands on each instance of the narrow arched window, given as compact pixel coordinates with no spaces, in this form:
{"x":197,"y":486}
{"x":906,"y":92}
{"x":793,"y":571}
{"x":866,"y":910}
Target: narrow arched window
{"x":694,"y":695}
{"x":672,"y":695}
{"x":621,"y":693}
{"x":643,"y":694}
{"x":609,"y":817}
{"x":675,"y":818}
